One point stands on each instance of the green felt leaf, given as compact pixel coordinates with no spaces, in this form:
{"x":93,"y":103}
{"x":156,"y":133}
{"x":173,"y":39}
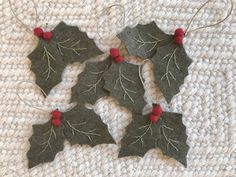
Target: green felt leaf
{"x":143,"y":40}
{"x":170,"y":67}
{"x":73,"y":44}
{"x":47,"y":64}
{"x":123,"y":82}
{"x":89,"y":87}
{"x":45,"y":143}
{"x":170,"y":60}
{"x":168,"y":134}
{"x":83,"y":126}
{"x":68,"y":45}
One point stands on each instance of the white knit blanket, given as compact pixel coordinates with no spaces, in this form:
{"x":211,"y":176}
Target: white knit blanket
{"x":207,"y":98}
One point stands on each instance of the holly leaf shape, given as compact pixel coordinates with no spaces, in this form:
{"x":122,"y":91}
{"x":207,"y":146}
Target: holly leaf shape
{"x":143,"y":40}
{"x":45,"y":143}
{"x":89,"y":87}
{"x":168,"y":134}
{"x":83,"y":126}
{"x":123,"y":83}
{"x":78,"y":126}
{"x":67,"y":45}
{"x":73,"y":44}
{"x":170,"y":67}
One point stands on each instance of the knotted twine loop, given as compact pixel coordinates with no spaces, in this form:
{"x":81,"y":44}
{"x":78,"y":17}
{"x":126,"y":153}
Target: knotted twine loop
{"x":188,"y":30}
{"x":36,"y":107}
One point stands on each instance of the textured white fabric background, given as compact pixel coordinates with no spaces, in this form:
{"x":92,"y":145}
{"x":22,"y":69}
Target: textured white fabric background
{"x":207,"y":99}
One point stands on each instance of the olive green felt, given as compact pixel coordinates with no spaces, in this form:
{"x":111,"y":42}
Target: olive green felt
{"x":84,"y":126}
{"x":45,"y":143}
{"x":168,"y":134}
{"x":123,"y":83}
{"x":79,"y":126}
{"x":143,"y":40}
{"x":170,"y":67}
{"x":67,"y":45}
{"x":89,"y":87}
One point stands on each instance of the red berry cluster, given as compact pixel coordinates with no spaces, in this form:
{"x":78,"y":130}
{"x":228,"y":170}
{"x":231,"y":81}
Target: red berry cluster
{"x":156,"y":113}
{"x":115,"y":54}
{"x":47,"y":35}
{"x":56,"y":118}
{"x":179,"y":35}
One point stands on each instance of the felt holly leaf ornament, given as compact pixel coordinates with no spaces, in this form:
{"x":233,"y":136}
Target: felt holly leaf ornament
{"x":170,"y":67}
{"x":83,"y":126}
{"x":143,"y":40}
{"x":168,"y":133}
{"x":89,"y":87}
{"x":78,"y":126}
{"x":56,"y":49}
{"x":166,"y":52}
{"x":123,"y":82}
{"x":47,"y":140}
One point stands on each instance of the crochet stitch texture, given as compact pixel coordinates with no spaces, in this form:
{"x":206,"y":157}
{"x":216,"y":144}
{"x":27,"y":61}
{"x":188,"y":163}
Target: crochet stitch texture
{"x":207,"y":99}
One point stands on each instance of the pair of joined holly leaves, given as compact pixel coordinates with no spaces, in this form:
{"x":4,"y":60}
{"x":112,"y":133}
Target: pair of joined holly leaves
{"x":115,"y":77}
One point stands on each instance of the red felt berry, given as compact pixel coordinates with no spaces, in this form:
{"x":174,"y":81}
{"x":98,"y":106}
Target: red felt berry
{"x":119,"y":59}
{"x":56,"y":122}
{"x":38,"y":32}
{"x":157,"y":110}
{"x":154,"y":118}
{"x":56,"y":114}
{"x":47,"y":35}
{"x":179,"y":40}
{"x":179,"y":32}
{"x":114,"y":52}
